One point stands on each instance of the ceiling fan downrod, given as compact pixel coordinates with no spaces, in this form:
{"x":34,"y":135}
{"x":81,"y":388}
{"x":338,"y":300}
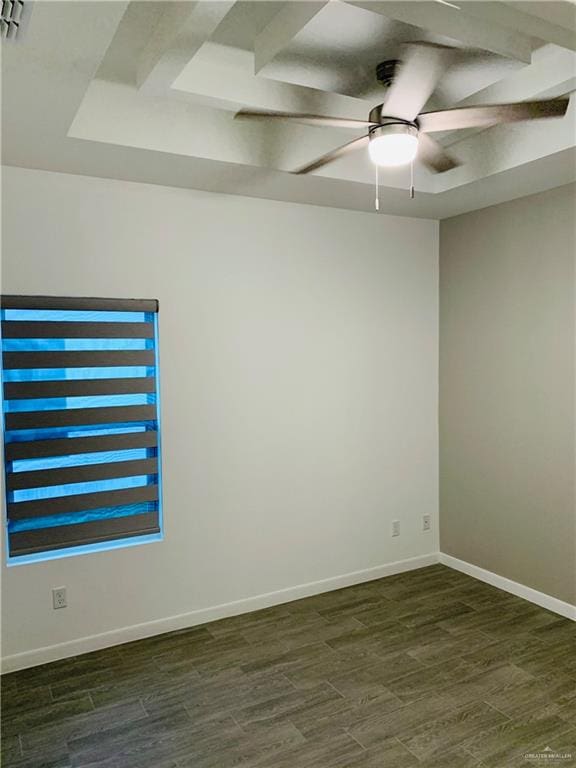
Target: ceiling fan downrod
{"x":386,"y":71}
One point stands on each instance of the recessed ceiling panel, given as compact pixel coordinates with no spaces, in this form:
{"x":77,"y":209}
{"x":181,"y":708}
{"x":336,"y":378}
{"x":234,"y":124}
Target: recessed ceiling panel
{"x":339,"y":48}
{"x":244,"y":22}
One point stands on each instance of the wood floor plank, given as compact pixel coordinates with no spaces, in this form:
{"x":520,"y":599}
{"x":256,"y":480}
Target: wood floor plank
{"x":415,"y":587}
{"x":235,"y":624}
{"x":557,"y":631}
{"x":390,"y":754}
{"x":567,"y":711}
{"x":376,"y":728}
{"x":429,"y":668}
{"x":498,"y":746}
{"x":372,"y":679}
{"x":386,"y":639}
{"x":506,"y":651}
{"x":142,"y":737}
{"x":456,"y":758}
{"x":11,"y":749}
{"x":46,"y":674}
{"x":231,"y":696}
{"x":325,"y":752}
{"x":345,"y":714}
{"x":563,"y":749}
{"x":485,"y":618}
{"x":23,"y":701}
{"x":481,"y":683}
{"x":416,"y":684}
{"x":296,"y":702}
{"x":326,"y":669}
{"x":49,"y":714}
{"x":432,"y":615}
{"x":286,"y":661}
{"x":522,"y":622}
{"x":299,"y":636}
{"x":550,"y":658}
{"x":153,"y":646}
{"x":438,"y":736}
{"x":51,"y":759}
{"x":521,"y":699}
{"x":249,"y":748}
{"x":445,"y":648}
{"x":133,"y":684}
{"x":38,"y":740}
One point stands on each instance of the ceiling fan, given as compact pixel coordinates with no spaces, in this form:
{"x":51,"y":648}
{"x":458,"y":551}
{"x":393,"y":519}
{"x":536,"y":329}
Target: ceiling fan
{"x":397,"y":130}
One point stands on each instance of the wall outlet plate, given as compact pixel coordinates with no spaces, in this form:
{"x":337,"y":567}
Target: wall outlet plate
{"x":426,"y":523}
{"x":395,"y":527}
{"x":59,"y":599}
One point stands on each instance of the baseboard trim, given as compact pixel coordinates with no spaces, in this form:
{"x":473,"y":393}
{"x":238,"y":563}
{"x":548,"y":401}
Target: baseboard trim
{"x":520,"y":590}
{"x":193,"y":618}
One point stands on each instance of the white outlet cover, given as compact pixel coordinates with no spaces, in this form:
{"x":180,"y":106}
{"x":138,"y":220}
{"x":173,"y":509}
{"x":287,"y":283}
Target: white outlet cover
{"x":59,"y":599}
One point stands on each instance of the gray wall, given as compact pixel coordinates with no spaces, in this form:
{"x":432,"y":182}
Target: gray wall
{"x":507,"y":390}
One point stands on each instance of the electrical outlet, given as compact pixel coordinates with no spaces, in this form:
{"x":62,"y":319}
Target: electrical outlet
{"x":426,"y":523}
{"x":59,"y":598}
{"x":395,"y":527}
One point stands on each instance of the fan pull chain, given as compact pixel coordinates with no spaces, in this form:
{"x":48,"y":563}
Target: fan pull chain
{"x":412,"y":180}
{"x":377,"y":200}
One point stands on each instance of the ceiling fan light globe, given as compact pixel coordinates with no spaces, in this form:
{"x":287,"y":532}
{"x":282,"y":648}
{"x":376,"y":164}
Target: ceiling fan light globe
{"x":390,"y":148}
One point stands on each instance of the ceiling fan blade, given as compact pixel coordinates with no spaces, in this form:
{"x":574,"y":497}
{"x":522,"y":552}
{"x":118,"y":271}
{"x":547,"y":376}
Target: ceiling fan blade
{"x":434,"y":155}
{"x":329,"y":122}
{"x":420,"y":69}
{"x":491,"y":114}
{"x":345,"y":149}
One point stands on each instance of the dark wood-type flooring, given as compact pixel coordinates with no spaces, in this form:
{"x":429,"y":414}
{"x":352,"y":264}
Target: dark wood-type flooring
{"x":428,"y":668}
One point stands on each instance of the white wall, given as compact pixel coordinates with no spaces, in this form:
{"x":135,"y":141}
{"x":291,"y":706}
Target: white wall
{"x":299,"y":395}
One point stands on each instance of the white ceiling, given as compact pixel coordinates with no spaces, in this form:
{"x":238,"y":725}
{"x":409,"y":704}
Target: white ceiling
{"x":147,"y":91}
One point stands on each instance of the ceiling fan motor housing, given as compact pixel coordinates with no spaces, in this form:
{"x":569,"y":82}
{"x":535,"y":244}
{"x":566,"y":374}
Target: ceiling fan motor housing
{"x":386,"y":71}
{"x":388,"y":129}
{"x":377,"y":117}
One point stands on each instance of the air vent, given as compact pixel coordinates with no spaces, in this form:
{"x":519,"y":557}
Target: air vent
{"x":10,"y":18}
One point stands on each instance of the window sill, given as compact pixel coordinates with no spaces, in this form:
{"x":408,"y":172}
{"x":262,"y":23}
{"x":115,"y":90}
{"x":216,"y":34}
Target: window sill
{"x":86,"y":549}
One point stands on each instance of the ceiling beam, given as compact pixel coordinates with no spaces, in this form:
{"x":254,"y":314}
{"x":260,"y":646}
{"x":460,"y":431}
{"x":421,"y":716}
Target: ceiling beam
{"x":183,"y":28}
{"x":547,"y":77}
{"x":282,"y":29}
{"x":223,"y":77}
{"x":457,"y":25}
{"x":562,"y":13}
{"x":509,"y":146}
{"x":520,"y":19}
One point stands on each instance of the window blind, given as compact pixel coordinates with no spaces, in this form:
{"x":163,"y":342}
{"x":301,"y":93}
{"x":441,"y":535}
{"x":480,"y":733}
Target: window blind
{"x":81,"y":421}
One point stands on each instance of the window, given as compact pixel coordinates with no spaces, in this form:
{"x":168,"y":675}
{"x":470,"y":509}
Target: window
{"x":81,"y":424}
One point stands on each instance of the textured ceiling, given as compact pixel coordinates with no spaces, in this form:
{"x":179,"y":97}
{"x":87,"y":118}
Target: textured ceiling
{"x":148,"y":91}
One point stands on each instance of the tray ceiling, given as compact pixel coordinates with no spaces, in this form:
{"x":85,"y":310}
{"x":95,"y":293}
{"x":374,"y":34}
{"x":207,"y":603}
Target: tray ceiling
{"x":147,"y":91}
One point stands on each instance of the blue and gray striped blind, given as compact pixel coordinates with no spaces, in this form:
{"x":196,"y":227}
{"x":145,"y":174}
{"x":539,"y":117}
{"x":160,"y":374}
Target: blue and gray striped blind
{"x":80,"y":405}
